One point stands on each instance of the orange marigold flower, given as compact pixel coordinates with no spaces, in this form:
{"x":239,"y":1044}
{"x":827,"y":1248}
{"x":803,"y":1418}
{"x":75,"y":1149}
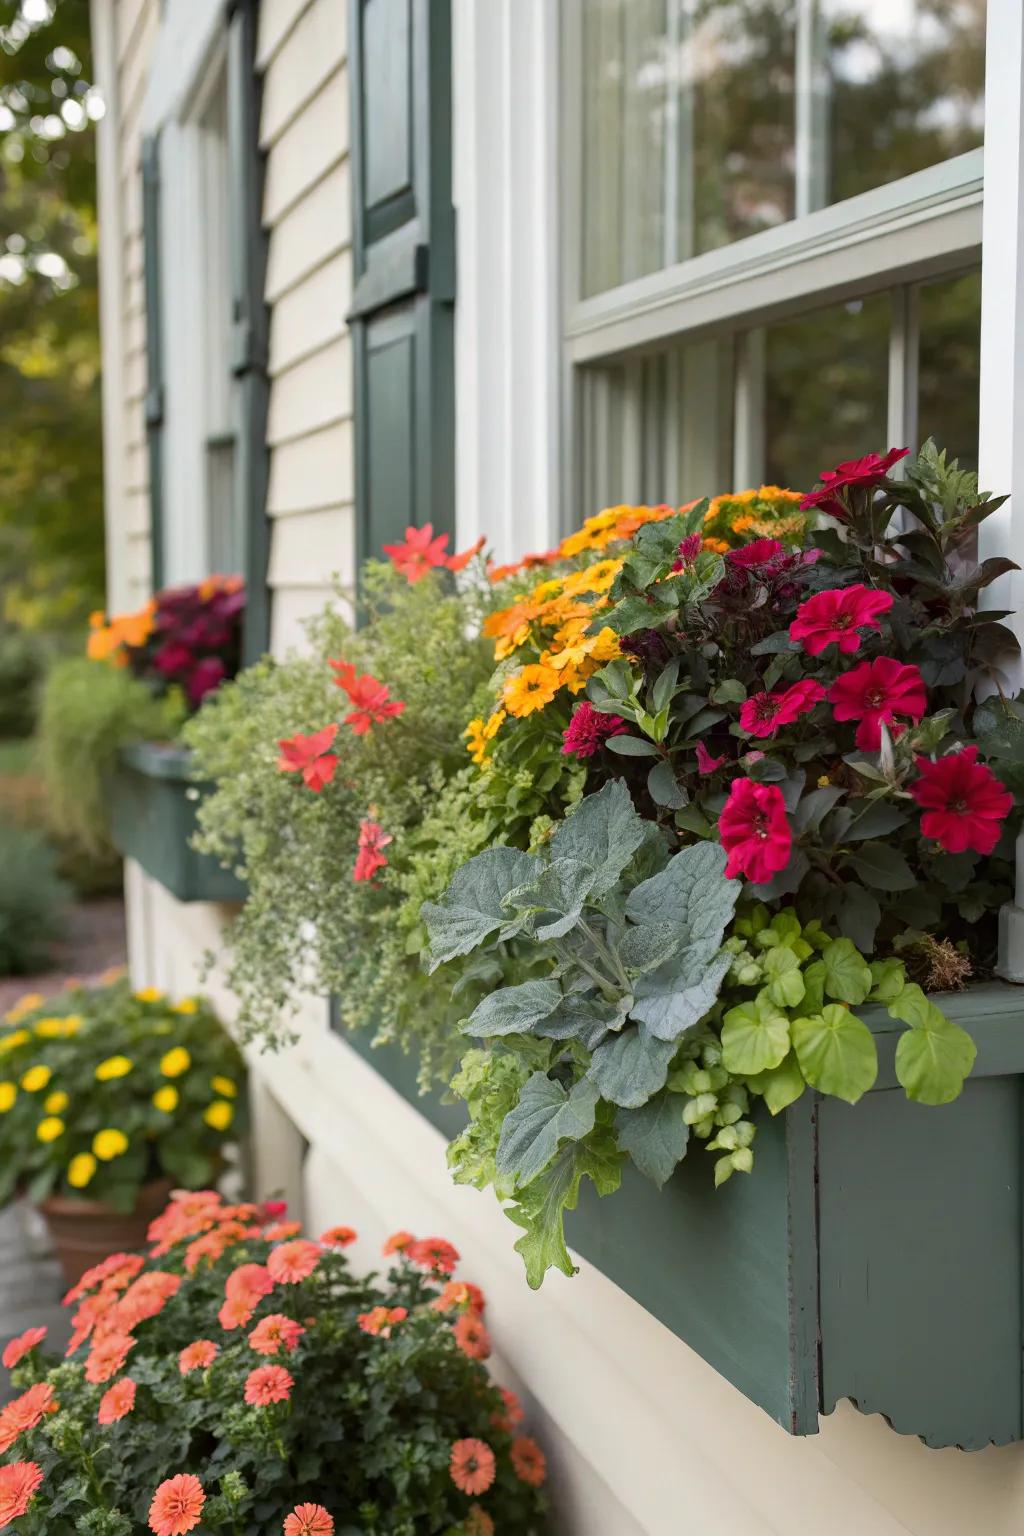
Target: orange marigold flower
{"x":117,"y":1401}
{"x":368,"y":696}
{"x":18,"y":1348}
{"x":420,"y":553}
{"x":293,"y":1262}
{"x":398,"y":1242}
{"x":528,"y":1461}
{"x":107,"y":1356}
{"x":533,"y":687}
{"x":478,"y":1522}
{"x":177,"y":1506}
{"x":471,"y":1336}
{"x":338,"y":1237}
{"x":459,"y":1293}
{"x":282,"y":1230}
{"x":309,"y":1520}
{"x":511,"y":1415}
{"x":434,"y":1253}
{"x":25,"y":1412}
{"x":249,"y":1282}
{"x":472,"y":1466}
{"x":268,"y":1384}
{"x":275,"y":1333}
{"x":18,"y":1484}
{"x":381,"y":1320}
{"x":197,"y":1356}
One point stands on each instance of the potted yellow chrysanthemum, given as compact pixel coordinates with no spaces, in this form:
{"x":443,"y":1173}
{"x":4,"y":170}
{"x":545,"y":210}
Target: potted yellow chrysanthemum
{"x":108,"y":1098}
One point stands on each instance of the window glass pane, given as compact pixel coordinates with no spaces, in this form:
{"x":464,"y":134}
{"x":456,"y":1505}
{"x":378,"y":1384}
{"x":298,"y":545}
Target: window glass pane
{"x":949,"y":317}
{"x":825,"y":390}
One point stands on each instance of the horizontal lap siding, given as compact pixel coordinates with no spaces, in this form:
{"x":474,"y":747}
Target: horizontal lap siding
{"x":306,"y":210}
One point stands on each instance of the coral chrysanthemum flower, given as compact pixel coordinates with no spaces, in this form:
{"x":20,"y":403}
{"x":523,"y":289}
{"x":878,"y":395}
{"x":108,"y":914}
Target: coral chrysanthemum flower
{"x":177,"y":1506}
{"x":588,"y":730}
{"x":25,"y":1412}
{"x":292,"y":1262}
{"x":107,"y":1356}
{"x":282,"y":1230}
{"x":472,"y":1466}
{"x":145,"y":1297}
{"x":478,"y":1522}
{"x":309,"y":756}
{"x":835,"y":617}
{"x":268,"y":1384}
{"x":433,"y":1253}
{"x":367,"y":694}
{"x":379,"y":1321}
{"x":197,"y":1356}
{"x":754,"y":831}
{"x":309,"y":1520}
{"x":274,"y":1334}
{"x":851,"y":474}
{"x":765,"y":713}
{"x":528,"y":1461}
{"x":531,"y":688}
{"x":18,"y":1484}
{"x":459,"y":1294}
{"x":511,"y":1415}
{"x":372,"y":838}
{"x":398,"y":1242}
{"x":249,"y":1283}
{"x":422,"y":552}
{"x":18,"y":1348}
{"x":964,"y":803}
{"x":236,"y":1312}
{"x":117,"y":1401}
{"x":338,"y":1237}
{"x":471,"y":1336}
{"x":877,"y":691}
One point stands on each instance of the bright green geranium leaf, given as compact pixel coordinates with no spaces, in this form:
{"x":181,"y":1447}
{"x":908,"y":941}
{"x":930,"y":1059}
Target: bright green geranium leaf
{"x":691,"y":893}
{"x":814,"y":986}
{"x":545,"y":1116}
{"x":755,"y":1037}
{"x":603,"y":832}
{"x":631,"y":1067}
{"x":655,"y":1136}
{"x":847,"y":973}
{"x":782,"y":1086}
{"x":784,"y":977}
{"x":513,"y":1010}
{"x":888,"y":978}
{"x":836,"y":1052}
{"x":933,"y":1058}
{"x":471,"y":909}
{"x":911,"y":1006}
{"x":679,"y":994}
{"x":540,"y":1208}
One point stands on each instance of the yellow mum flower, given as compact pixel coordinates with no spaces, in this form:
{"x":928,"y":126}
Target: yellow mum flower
{"x":109,"y":1144}
{"x":150,"y":995}
{"x":50,"y":1029}
{"x":24,"y":1005}
{"x":175,"y":1062}
{"x":12,"y":1041}
{"x":187,"y":1005}
{"x":532,"y":688}
{"x":224,"y":1086}
{"x":36,"y":1078}
{"x":166,"y":1099}
{"x":596,"y":578}
{"x":72,"y":1024}
{"x":50,"y":1128}
{"x":8,"y":1094}
{"x":81,"y":1170}
{"x":219,"y":1114}
{"x":56,"y":1103}
{"x":481,"y":733}
{"x":114,"y":1066}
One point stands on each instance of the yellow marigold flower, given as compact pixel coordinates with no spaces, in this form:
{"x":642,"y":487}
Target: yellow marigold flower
{"x":824,"y":781}
{"x":81,"y":1170}
{"x":219,"y":1114}
{"x":36,"y":1078}
{"x":114,"y":1066}
{"x":187,"y":1005}
{"x":225,"y":1087}
{"x":596,"y":578}
{"x":25,"y":1004}
{"x":481,"y":733}
{"x":175,"y":1062}
{"x":49,"y":1028}
{"x":56,"y":1103}
{"x":547,"y":590}
{"x":8,"y":1094}
{"x":12,"y":1041}
{"x":166,"y":1099}
{"x":72,"y":1024}
{"x":50,"y":1128}
{"x":150,"y":995}
{"x":530,"y":689}
{"x":109,"y":1144}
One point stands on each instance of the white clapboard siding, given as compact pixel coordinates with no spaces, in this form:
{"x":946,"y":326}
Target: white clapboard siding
{"x":310,"y":53}
{"x":277,"y":18}
{"x":306,"y":474}
{"x":310,"y":233}
{"x":311,"y":314}
{"x":307,"y":150}
{"x":314,"y":393}
{"x":312,"y":548}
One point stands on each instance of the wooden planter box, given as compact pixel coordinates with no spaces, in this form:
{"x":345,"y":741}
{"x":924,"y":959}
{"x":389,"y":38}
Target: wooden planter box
{"x":152,"y":802}
{"x":875,"y":1252}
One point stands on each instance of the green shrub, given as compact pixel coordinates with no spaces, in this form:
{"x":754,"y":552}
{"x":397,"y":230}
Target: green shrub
{"x":88,"y":711}
{"x":33,"y":900}
{"x":22,"y":664}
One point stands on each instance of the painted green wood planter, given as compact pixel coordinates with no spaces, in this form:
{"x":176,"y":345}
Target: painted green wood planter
{"x":876,"y":1252}
{"x":152,"y":802}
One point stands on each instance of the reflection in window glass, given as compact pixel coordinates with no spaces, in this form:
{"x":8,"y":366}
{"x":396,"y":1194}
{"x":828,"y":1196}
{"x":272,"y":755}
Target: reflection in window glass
{"x":825,"y":390}
{"x":949,"y":318}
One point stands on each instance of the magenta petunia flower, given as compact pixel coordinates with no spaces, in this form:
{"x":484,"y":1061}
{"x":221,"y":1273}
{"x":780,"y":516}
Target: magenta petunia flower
{"x":964,"y":803}
{"x":765,"y":713}
{"x":835,"y":617}
{"x":755,"y":831}
{"x":852,"y":474}
{"x":875,"y":691}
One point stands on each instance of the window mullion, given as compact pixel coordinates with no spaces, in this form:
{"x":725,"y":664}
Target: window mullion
{"x":903,"y":363}
{"x":748,"y":438}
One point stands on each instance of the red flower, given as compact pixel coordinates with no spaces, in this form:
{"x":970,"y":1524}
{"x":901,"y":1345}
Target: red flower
{"x":197,"y":1356}
{"x":757,"y":556}
{"x":964,"y":803}
{"x":18,"y":1348}
{"x":274,"y":1334}
{"x":309,"y":1520}
{"x":754,"y":831}
{"x":875,"y":691}
{"x":273,"y":1210}
{"x":173,"y":657}
{"x":764,"y":713}
{"x":852,"y":474}
{"x":117,"y":1401}
{"x":528,"y":1461}
{"x":433,"y":1253}
{"x":372,"y":838}
{"x":205,"y":677}
{"x":689,"y":549}
{"x":471,"y":1336}
{"x":268,"y":1384}
{"x":368,"y":694}
{"x":460,"y":561}
{"x":338,"y":1237}
{"x":18,"y":1484}
{"x":309,"y":756}
{"x":177,"y":1506}
{"x":512,"y":1414}
{"x":588,"y":730}
{"x":834,"y":617}
{"x":293,"y":1262}
{"x":420,"y":553}
{"x":472,"y":1466}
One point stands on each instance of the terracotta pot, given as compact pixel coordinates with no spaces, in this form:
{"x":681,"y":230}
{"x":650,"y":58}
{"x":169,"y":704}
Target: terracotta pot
{"x":86,"y":1231}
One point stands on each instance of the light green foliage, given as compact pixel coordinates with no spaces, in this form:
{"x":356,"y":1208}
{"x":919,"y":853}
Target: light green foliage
{"x":88,"y":711}
{"x":33,"y":901}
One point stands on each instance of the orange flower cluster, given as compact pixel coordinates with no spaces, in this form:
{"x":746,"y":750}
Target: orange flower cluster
{"x":109,"y":639}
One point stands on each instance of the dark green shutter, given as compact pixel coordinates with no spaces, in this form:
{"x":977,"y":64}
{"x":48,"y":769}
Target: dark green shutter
{"x":402,"y":315}
{"x":249,"y":328}
{"x":154,"y":408}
